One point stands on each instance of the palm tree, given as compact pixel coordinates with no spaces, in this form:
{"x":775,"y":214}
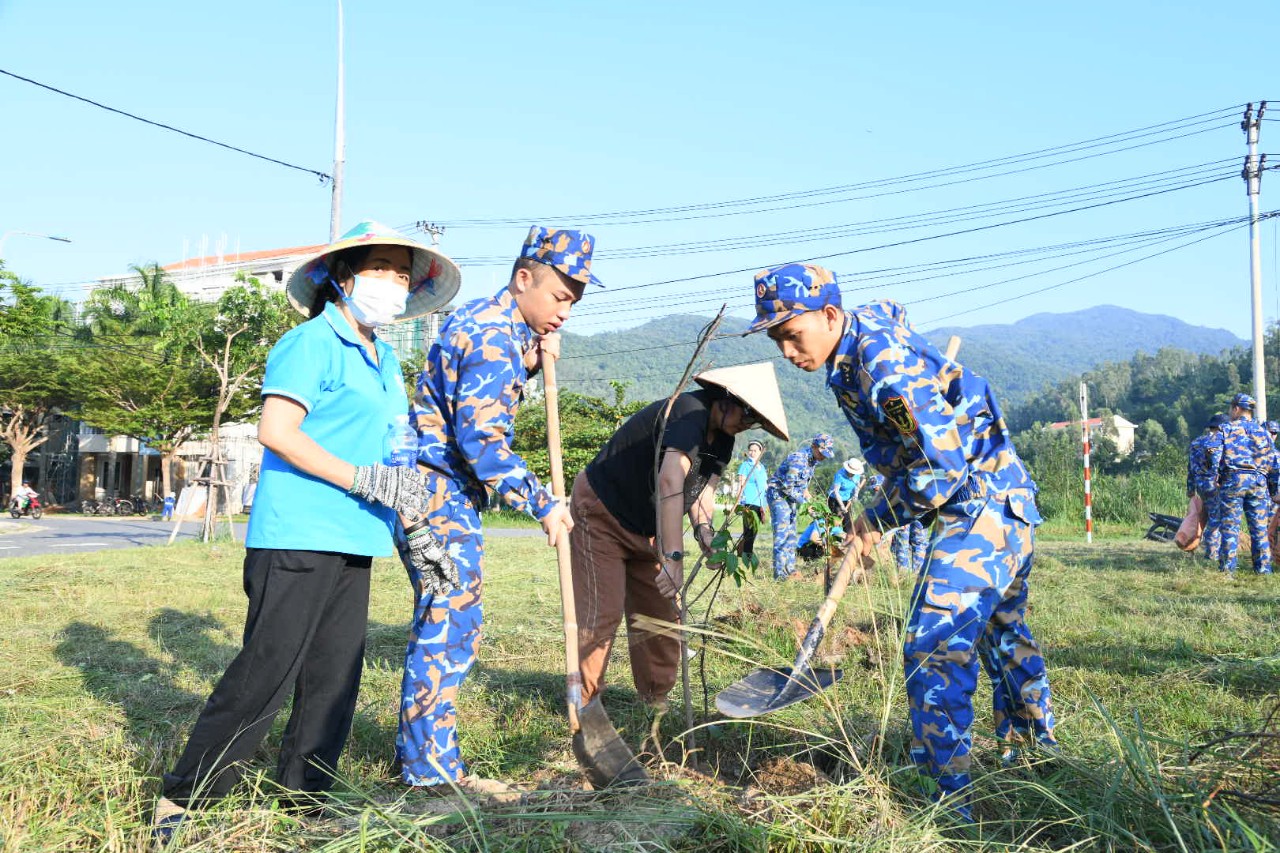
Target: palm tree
{"x":140,"y":307}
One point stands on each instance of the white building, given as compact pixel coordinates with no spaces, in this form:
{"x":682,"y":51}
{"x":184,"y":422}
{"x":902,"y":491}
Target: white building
{"x":1119,"y":428}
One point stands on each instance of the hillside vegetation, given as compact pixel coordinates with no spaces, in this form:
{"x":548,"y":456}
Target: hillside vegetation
{"x":1022,"y":360}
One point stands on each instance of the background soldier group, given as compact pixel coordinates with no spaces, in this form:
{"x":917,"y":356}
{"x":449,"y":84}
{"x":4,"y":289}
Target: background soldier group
{"x":1234,"y":468}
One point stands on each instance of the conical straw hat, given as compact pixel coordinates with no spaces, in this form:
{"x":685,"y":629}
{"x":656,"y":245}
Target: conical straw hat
{"x":757,"y":386}
{"x":435,"y":277}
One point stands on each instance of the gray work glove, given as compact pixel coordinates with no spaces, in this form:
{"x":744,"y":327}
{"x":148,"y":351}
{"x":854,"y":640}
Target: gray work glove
{"x":426,"y":553}
{"x":403,"y":488}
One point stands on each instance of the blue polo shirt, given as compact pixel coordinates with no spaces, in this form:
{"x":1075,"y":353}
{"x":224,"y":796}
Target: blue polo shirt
{"x":756,"y":479}
{"x":350,"y":402}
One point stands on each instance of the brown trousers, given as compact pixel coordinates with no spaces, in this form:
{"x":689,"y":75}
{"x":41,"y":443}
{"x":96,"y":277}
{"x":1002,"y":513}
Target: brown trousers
{"x":615,"y":572}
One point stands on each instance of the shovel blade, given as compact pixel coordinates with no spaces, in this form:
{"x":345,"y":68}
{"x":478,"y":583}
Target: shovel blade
{"x":765,"y":690}
{"x":601,"y":751}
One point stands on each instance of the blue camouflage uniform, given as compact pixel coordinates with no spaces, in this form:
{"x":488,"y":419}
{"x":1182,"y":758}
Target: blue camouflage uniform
{"x":910,"y":546}
{"x":464,"y":410}
{"x":936,"y":432}
{"x":1245,"y":463}
{"x":1273,"y":430}
{"x":1202,"y":479}
{"x":785,"y":494}
{"x":871,"y":487}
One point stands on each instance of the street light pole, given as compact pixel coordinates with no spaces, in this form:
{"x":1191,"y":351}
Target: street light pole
{"x":9,"y":234}
{"x":339,"y":145}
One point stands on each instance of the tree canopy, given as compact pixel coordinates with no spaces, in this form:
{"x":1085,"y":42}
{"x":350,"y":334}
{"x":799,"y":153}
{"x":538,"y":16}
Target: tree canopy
{"x":37,"y":373}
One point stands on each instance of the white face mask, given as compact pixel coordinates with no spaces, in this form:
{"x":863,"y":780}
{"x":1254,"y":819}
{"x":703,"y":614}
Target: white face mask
{"x":375,"y":301}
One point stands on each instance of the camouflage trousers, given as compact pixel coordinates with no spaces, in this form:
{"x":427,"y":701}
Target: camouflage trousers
{"x":969,"y":605}
{"x":1211,"y":539}
{"x":910,"y":546}
{"x":443,"y":642}
{"x":1242,"y":497}
{"x":785,"y":537}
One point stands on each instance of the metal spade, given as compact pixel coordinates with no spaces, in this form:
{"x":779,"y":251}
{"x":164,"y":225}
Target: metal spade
{"x":768,"y":689}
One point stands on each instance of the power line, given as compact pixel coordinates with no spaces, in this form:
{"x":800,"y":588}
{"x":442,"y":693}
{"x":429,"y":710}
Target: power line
{"x":1218,"y":116}
{"x":918,"y":220}
{"x":755,"y":267}
{"x":1222,"y":227}
{"x":1225,"y":167}
{"x":321,"y":175}
{"x":1090,"y":275}
{"x":853,"y":282}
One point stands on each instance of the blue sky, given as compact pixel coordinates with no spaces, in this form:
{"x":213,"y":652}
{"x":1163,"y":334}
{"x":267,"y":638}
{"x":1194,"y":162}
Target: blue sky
{"x":548,"y":112}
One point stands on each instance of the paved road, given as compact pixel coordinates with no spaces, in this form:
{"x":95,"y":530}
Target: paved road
{"x":56,"y":534}
{"x":60,"y":534}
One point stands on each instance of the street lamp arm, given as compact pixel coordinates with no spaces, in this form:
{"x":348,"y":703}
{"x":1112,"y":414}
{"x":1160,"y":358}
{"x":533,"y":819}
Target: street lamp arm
{"x":9,"y":234}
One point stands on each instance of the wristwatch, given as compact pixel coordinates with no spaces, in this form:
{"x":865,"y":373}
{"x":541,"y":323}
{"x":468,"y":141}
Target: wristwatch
{"x":676,"y":556}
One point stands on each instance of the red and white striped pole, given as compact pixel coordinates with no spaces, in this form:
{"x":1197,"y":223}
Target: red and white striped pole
{"x":1084,"y":439}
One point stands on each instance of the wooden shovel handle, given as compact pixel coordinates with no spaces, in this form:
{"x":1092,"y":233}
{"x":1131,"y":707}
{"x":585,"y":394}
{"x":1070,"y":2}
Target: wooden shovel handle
{"x":572,"y":672}
{"x":820,"y":622}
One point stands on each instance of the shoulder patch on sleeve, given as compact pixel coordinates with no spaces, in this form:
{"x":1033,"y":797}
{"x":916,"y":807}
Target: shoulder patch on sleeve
{"x":899,"y":414}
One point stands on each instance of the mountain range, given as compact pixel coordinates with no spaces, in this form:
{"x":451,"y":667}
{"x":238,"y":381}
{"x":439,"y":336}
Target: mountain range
{"x":1018,"y":359}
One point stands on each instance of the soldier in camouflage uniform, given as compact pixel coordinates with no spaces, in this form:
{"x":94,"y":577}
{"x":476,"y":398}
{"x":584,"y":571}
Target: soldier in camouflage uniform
{"x":910,"y":546}
{"x":934,"y":429}
{"x":1273,"y":430}
{"x":788,"y":488}
{"x":1203,"y":480}
{"x":465,"y":405}
{"x":1245,"y":462}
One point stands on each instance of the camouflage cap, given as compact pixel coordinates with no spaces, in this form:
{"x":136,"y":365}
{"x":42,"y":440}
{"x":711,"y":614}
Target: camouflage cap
{"x":1272,"y":427}
{"x":563,"y":249}
{"x":1244,"y":401}
{"x":791,"y":290}
{"x":825,"y":445}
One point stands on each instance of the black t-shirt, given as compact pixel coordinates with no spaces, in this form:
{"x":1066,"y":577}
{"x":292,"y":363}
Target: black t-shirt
{"x":622,"y":472}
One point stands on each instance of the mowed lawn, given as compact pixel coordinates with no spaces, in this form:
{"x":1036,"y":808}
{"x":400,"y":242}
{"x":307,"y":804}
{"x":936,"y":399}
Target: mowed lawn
{"x":1164,"y":676}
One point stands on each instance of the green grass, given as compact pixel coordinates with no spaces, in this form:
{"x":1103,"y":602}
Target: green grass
{"x":107,"y":658}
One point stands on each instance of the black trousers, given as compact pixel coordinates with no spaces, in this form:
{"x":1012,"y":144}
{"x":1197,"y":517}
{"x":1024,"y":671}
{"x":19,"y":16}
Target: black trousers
{"x":750,"y":527}
{"x":305,"y":634}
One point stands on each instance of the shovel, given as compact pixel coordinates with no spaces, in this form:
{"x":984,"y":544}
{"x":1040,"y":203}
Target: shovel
{"x":596,"y":743}
{"x":766,"y":689}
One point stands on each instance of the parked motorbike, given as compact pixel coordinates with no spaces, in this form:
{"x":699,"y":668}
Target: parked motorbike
{"x":20,"y":506}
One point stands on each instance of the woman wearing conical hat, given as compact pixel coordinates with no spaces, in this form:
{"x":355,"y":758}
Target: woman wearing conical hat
{"x":628,"y":532}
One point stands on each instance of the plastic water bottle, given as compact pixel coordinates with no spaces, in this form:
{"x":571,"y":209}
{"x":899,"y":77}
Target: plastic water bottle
{"x":400,"y":446}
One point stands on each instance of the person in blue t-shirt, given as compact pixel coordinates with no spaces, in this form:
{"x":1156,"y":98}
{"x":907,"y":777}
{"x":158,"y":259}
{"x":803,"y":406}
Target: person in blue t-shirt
{"x":749,"y":490}
{"x":844,"y":486}
{"x":325,"y":506}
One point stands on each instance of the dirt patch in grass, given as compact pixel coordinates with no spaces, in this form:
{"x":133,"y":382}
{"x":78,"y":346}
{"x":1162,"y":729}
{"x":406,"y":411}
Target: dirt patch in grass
{"x":782,"y":776}
{"x":752,"y":611}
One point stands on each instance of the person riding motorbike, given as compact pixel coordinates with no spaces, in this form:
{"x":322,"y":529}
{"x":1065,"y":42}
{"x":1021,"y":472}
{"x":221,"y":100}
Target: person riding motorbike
{"x":24,"y":500}
{"x":24,"y":495}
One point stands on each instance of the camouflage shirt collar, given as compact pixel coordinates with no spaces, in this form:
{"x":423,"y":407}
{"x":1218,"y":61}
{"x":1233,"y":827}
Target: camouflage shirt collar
{"x":520,"y":331}
{"x":844,"y":363}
